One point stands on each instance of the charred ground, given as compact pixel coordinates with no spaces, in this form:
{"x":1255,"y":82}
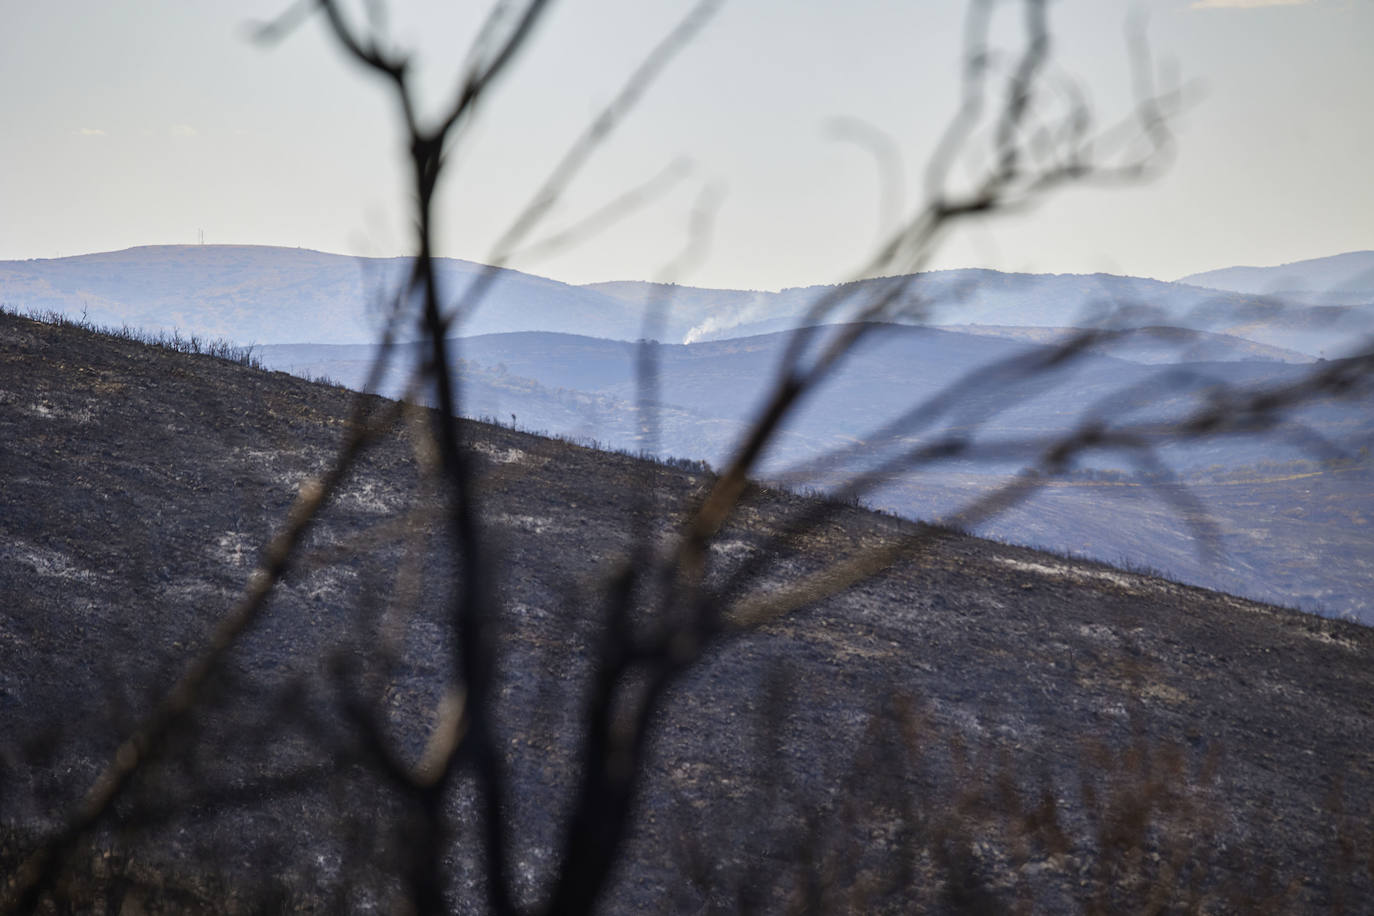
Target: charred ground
{"x":982,"y":726}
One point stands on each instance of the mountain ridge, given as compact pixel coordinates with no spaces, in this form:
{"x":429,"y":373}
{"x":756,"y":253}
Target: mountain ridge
{"x":1349,"y":274}
{"x":266,"y":295}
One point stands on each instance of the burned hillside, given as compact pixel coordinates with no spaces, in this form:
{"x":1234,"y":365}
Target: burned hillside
{"x":977,"y":726}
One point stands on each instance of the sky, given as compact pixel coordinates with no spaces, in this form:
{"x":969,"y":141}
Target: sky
{"x":161,"y":122}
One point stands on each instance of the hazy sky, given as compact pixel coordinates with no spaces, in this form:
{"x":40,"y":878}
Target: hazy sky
{"x":146,"y":122}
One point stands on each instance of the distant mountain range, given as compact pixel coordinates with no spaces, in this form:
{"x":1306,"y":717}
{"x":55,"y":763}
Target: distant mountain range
{"x":975,"y":297}
{"x":707,"y":392}
{"x":1339,"y":278}
{"x":562,"y":359}
{"x":263,"y":295}
{"x":258,"y":294}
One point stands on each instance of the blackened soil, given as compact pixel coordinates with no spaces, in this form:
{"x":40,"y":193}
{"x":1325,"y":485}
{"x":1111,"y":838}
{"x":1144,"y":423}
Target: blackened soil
{"x":978,"y":727}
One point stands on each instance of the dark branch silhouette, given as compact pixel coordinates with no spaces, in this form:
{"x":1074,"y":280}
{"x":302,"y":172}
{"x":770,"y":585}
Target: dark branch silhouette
{"x":668,"y":605}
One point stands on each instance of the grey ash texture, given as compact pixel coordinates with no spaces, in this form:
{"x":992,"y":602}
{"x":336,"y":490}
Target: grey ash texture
{"x":980,"y":728}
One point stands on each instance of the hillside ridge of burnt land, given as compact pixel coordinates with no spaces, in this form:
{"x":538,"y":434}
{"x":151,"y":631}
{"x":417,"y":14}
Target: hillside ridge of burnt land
{"x":979,"y":723}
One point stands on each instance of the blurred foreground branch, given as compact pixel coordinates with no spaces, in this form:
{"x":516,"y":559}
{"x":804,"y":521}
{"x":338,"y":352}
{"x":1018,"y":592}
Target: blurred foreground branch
{"x":666,"y":606}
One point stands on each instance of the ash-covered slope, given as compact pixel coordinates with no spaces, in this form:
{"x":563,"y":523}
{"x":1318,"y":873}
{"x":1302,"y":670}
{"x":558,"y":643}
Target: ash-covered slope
{"x":978,"y":725}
